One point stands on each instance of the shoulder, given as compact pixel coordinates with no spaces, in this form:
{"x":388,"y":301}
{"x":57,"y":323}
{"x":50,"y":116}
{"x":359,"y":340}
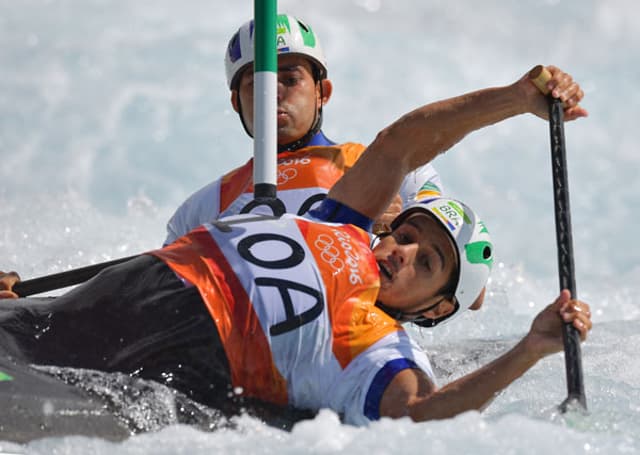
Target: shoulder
{"x":384,"y":366}
{"x":402,"y":389}
{"x":201,"y":206}
{"x":405,"y":372}
{"x":196,"y":200}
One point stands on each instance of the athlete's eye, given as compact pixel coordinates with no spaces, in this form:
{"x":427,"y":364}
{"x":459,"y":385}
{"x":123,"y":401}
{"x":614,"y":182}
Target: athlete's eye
{"x":290,"y":81}
{"x":425,"y":261}
{"x":247,"y":78}
{"x":403,"y":238}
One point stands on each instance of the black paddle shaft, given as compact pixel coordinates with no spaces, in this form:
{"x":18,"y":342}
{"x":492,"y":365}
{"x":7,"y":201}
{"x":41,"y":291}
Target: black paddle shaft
{"x":62,"y":279}
{"x":564,"y":239}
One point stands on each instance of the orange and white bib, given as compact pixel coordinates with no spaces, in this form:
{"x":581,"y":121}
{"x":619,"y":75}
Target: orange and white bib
{"x":294,"y":304}
{"x":305,"y":176}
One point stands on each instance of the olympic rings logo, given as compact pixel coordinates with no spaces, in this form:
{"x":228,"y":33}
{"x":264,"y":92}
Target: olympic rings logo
{"x":329,"y":253}
{"x":284,"y":175}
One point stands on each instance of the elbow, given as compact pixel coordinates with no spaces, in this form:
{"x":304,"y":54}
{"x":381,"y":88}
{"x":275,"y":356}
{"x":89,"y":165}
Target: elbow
{"x":393,"y":146}
{"x":387,"y":140}
{"x":412,"y":146}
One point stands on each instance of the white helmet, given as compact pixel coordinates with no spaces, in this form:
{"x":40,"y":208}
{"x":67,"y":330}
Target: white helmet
{"x":473,"y":247}
{"x":293,"y":37}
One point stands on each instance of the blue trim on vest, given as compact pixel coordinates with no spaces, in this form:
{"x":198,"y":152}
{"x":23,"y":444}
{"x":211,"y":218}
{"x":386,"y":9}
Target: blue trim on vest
{"x":319,"y":139}
{"x":336,"y":212}
{"x":380,"y":383}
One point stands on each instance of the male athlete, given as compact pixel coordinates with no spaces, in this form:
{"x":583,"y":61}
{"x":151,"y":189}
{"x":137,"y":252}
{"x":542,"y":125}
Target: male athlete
{"x":299,"y":310}
{"x":308,"y":163}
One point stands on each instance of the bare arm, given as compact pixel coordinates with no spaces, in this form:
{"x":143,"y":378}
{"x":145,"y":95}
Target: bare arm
{"x":410,"y":392}
{"x":421,"y":135}
{"x":383,"y":222}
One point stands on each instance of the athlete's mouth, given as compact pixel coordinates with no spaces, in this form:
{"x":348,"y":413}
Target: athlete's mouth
{"x":283,"y":117}
{"x":385,"y":269}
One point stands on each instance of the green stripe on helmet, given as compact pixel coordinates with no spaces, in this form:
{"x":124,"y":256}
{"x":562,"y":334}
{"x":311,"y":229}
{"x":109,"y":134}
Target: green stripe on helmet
{"x":460,"y":211}
{"x":308,"y":37}
{"x":282,"y":24}
{"x":480,"y":252}
{"x":292,"y":36}
{"x":5,"y":377}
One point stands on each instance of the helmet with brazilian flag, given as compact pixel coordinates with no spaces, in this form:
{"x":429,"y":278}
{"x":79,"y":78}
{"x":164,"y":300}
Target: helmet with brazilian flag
{"x":473,"y":247}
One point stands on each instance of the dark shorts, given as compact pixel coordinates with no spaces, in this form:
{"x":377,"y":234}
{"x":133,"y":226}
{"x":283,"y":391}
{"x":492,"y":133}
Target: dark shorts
{"x":135,"y":318}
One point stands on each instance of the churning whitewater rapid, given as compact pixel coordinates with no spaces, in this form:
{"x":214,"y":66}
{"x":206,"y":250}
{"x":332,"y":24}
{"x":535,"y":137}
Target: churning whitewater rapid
{"x":112,"y":112}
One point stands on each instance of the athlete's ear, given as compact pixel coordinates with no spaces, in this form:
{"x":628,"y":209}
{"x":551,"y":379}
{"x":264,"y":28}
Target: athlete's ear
{"x":327,"y":90}
{"x":444,"y":308}
{"x":234,"y":100}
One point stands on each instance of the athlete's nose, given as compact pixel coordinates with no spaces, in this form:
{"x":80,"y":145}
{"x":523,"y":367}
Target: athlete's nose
{"x":281,"y":90}
{"x":405,"y":253}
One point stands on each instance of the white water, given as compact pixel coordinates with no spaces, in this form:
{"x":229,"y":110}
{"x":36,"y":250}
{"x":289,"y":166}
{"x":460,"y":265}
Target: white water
{"x":112,"y":112}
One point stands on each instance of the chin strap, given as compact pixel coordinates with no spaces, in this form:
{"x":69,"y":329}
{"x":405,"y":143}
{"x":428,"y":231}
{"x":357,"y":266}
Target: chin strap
{"x":416,"y":316}
{"x":244,"y":125}
{"x":427,"y":322}
{"x":401,"y":316}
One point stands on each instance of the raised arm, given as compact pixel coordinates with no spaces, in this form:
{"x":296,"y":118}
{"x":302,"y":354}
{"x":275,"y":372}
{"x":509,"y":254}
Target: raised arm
{"x":421,"y":135}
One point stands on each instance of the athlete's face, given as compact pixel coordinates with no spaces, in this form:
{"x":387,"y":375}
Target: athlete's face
{"x":299,"y":97}
{"x":416,"y":262}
